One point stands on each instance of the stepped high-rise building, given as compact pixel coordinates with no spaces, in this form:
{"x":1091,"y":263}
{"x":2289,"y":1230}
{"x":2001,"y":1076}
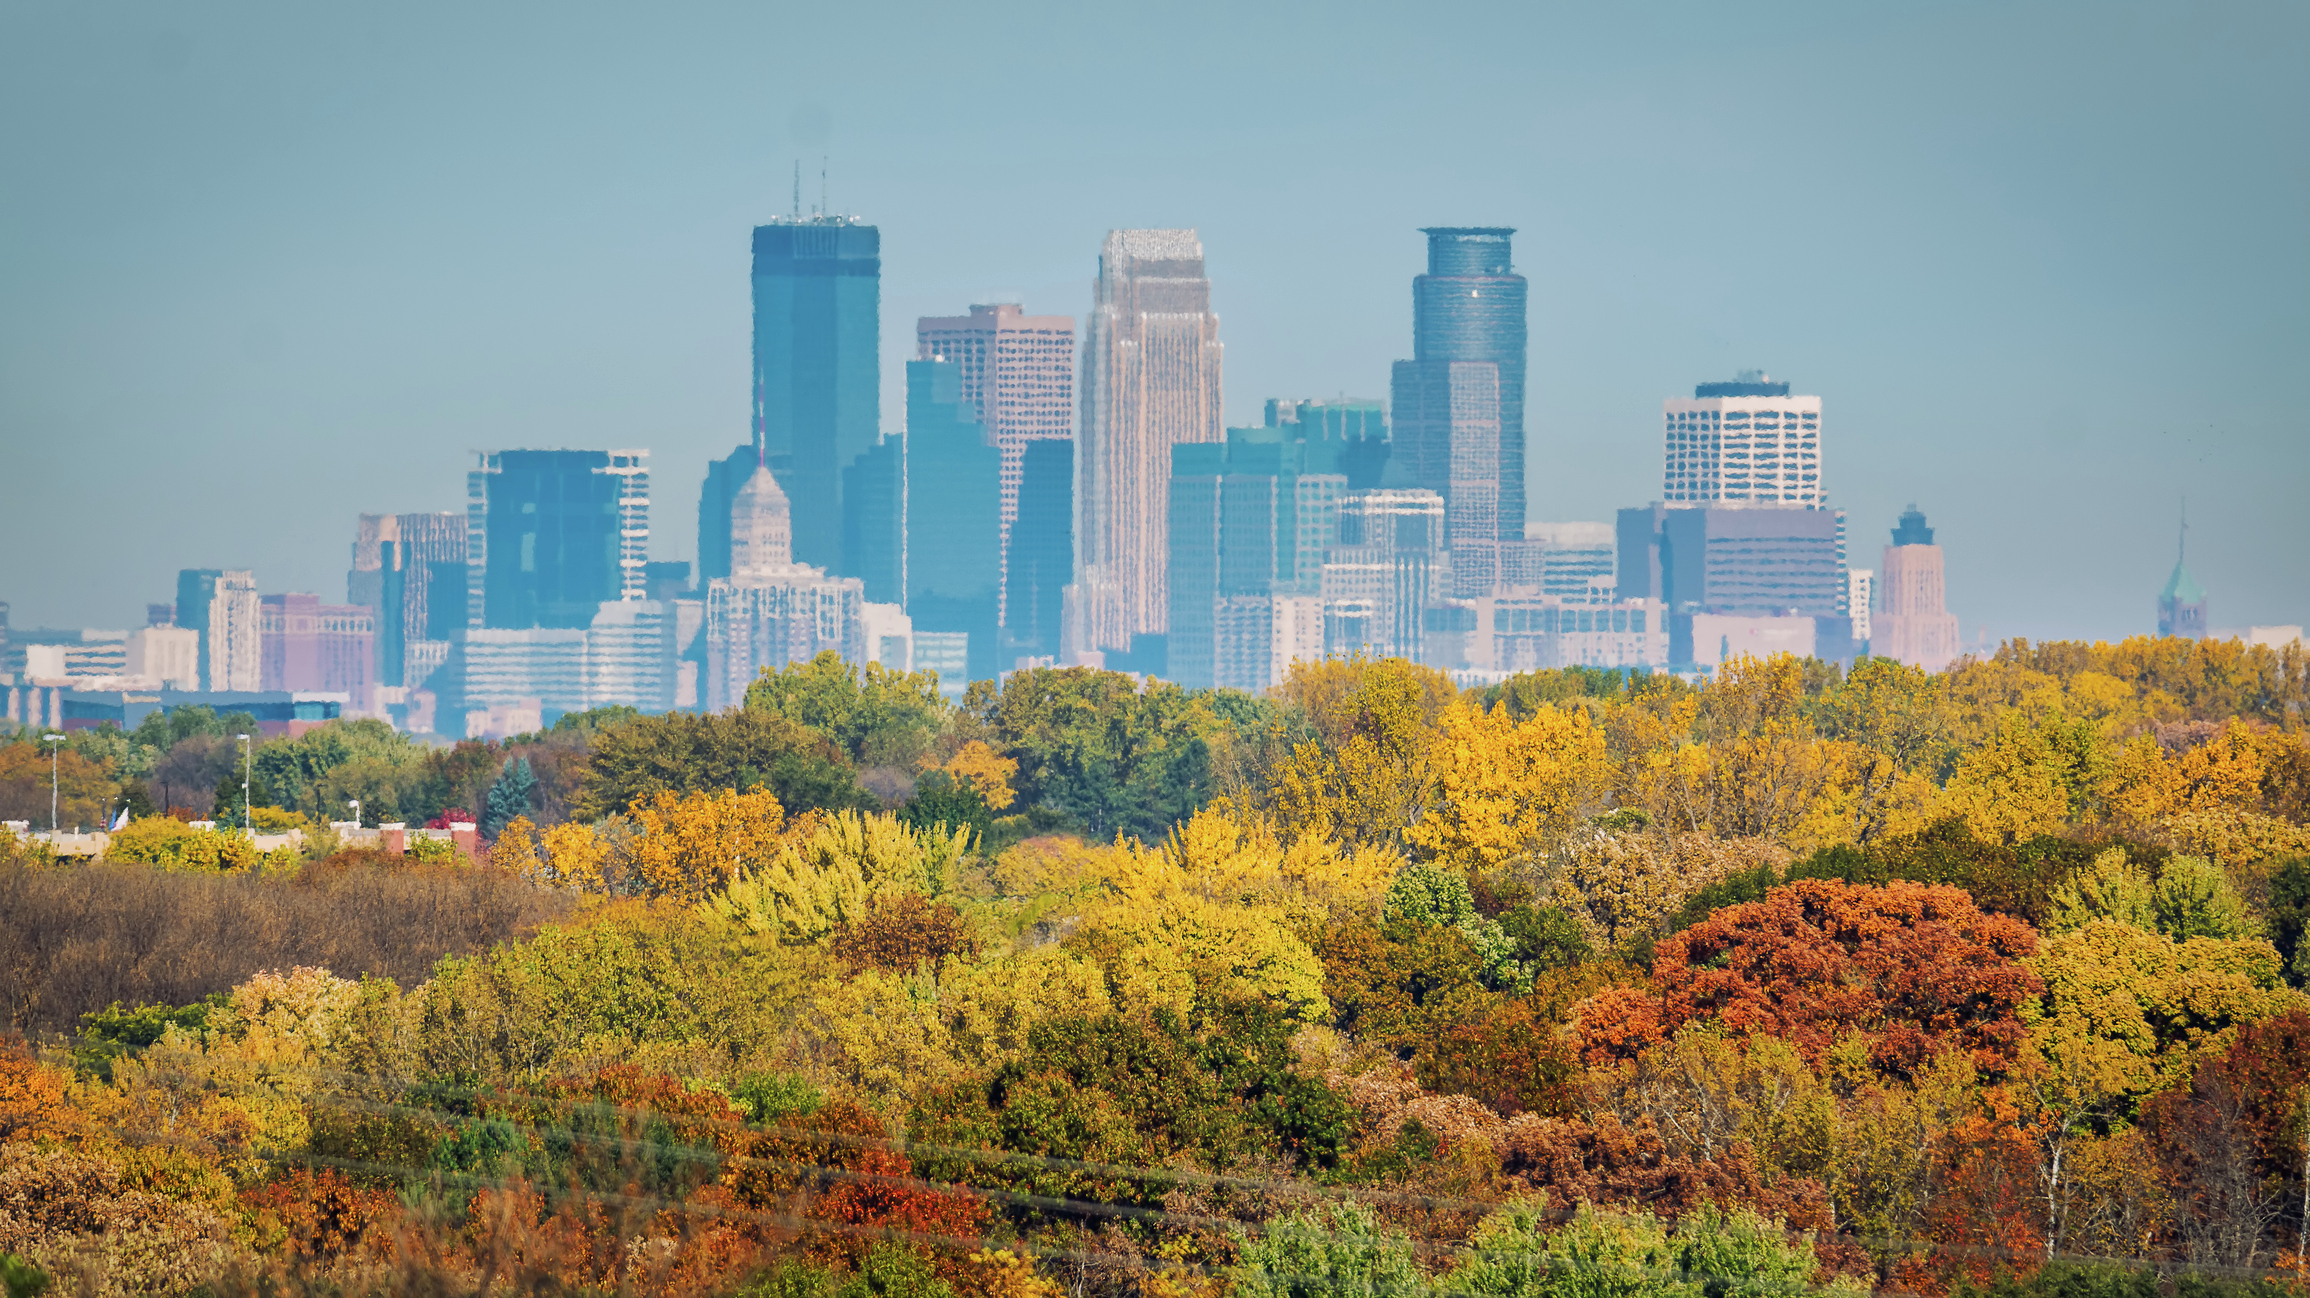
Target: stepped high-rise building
{"x":1018,"y":372}
{"x":551,"y":536}
{"x":1459,"y":402}
{"x":1912,"y":623}
{"x":1151,"y":361}
{"x":817,"y":394}
{"x":770,"y":610}
{"x":1747,"y":442}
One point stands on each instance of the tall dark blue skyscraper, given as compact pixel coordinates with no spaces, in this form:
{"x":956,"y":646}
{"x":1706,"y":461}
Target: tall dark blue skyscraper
{"x":723,"y":479}
{"x":1459,"y":402}
{"x":1042,"y":558}
{"x":817,"y":324}
{"x":954,"y":513}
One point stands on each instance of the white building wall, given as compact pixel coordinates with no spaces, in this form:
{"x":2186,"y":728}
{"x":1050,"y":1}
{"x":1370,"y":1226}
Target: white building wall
{"x":235,"y":659}
{"x":1742,"y":450}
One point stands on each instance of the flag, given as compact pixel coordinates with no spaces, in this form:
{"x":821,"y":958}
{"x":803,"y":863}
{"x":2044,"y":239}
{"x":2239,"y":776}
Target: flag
{"x":120,"y":822}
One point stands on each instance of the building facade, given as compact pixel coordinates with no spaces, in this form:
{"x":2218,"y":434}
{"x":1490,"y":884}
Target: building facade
{"x":168,"y":656}
{"x":1561,"y":559}
{"x":817,"y":371}
{"x":1459,"y":402}
{"x":1746,"y":441}
{"x":1018,"y":373}
{"x":551,"y":536}
{"x":409,"y":571}
{"x":954,"y":526}
{"x":308,"y":645}
{"x":1389,"y":565}
{"x":1912,"y":623}
{"x":221,"y":604}
{"x":723,"y":479}
{"x":1151,"y":380}
{"x":772,"y":611}
{"x":1041,"y":559}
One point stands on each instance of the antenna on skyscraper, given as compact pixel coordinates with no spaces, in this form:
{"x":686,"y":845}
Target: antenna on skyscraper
{"x":798,"y":189}
{"x":2182,"y":547}
{"x":824,"y":209}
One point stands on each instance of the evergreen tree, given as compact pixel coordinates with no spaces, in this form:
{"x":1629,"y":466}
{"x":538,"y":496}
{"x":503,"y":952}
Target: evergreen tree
{"x":509,"y":797}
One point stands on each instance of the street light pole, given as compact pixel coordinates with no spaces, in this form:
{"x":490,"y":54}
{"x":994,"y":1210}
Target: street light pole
{"x":53,"y":741}
{"x":248,"y":764}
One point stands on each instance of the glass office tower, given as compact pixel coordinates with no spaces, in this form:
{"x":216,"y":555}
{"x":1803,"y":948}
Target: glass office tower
{"x":954,"y":513}
{"x":1467,"y":313}
{"x":817,"y":324}
{"x":551,"y":536}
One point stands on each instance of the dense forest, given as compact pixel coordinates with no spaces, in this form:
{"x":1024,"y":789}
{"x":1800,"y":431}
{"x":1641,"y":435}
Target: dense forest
{"x":1589,"y":985}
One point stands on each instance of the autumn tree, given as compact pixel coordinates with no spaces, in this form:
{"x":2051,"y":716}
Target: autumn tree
{"x":1920,"y":969}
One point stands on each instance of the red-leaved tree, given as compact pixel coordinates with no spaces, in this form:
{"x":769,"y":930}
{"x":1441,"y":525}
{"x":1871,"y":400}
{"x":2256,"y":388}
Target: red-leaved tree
{"x":1919,"y":967}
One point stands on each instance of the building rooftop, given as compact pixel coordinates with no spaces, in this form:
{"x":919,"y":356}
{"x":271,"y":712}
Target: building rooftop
{"x":2182,"y":588}
{"x":1747,"y":383}
{"x":1912,"y":530}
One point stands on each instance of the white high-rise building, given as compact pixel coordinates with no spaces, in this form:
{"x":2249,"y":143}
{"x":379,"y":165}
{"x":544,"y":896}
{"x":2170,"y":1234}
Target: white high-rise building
{"x":771,"y":610}
{"x":1151,"y":356}
{"x":1747,"y":442}
{"x":1859,"y":583}
{"x":236,"y":661}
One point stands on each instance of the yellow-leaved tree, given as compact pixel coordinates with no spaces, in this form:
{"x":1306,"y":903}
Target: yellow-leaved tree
{"x":985,"y":772}
{"x":693,"y":844}
{"x":1507,"y":791}
{"x":2029,"y":779}
{"x":1371,"y":773}
{"x":828,"y":871}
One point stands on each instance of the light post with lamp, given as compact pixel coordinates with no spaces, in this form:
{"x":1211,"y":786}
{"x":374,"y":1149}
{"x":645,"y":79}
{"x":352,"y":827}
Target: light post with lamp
{"x":52,"y":742}
{"x":248,"y":764}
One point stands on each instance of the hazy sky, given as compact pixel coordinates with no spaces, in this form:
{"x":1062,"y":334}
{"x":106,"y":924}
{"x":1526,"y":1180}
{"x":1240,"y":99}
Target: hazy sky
{"x":265,"y":267}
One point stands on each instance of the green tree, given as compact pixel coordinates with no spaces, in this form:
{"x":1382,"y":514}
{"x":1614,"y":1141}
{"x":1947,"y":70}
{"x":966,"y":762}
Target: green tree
{"x":1094,"y":747}
{"x":1340,"y":1249}
{"x":511,"y":796}
{"x":685,"y":752}
{"x":2194,"y":898}
{"x":2290,"y":915}
{"x":878,"y":717}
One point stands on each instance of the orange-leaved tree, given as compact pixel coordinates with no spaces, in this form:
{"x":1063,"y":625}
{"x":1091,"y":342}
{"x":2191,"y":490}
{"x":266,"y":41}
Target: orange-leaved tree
{"x":691,"y":845}
{"x":1919,"y":968}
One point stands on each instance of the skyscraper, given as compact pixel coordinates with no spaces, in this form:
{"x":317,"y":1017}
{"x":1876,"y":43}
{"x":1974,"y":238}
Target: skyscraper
{"x":551,"y":536}
{"x":1459,"y":402}
{"x":1743,"y":442}
{"x":221,"y":604}
{"x":309,"y":645}
{"x":1018,"y":373}
{"x":1151,"y":362}
{"x":1912,"y":623}
{"x":723,"y":479}
{"x":1252,"y":522}
{"x":770,"y":610}
{"x":409,"y":571}
{"x":953,"y":515}
{"x":1042,"y":550}
{"x":817,"y":397}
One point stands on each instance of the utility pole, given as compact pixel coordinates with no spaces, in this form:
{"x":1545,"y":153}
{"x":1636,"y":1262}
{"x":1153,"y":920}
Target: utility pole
{"x":248,"y":764}
{"x":53,"y":741}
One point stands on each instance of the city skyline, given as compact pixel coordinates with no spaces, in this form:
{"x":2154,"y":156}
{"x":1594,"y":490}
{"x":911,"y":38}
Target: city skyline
{"x":564,"y":276}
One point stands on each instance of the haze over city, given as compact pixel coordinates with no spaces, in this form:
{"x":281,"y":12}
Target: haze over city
{"x":263,"y":268}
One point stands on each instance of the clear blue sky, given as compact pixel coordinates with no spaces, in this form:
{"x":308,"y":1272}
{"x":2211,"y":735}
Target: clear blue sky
{"x":267,"y":266}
